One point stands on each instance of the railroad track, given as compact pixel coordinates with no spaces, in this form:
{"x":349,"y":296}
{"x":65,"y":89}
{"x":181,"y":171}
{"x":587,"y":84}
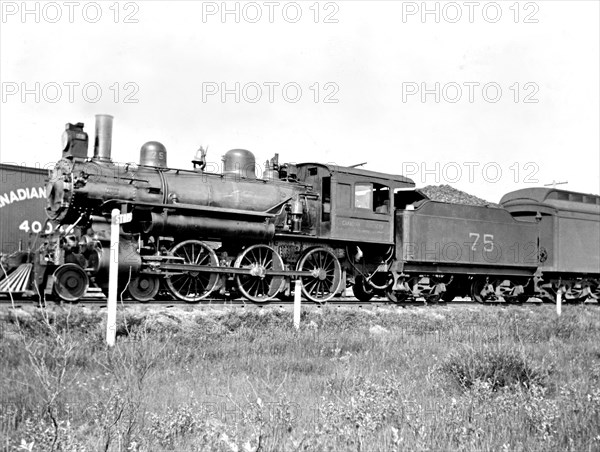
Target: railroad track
{"x":100,"y":303}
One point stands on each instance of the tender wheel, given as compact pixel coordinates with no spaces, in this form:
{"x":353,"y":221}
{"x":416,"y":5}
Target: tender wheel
{"x":401,"y":296}
{"x":397,"y":296}
{"x":144,"y":288}
{"x":548,"y":295}
{"x":574,"y":293}
{"x":71,"y":282}
{"x":505,"y":288}
{"x":326,"y":274}
{"x":362,"y":290}
{"x":258,"y":286}
{"x":595,"y":292}
{"x":381,"y":281}
{"x":455,"y":288}
{"x":433,"y":298}
{"x":193,"y":286}
{"x":477,"y":287}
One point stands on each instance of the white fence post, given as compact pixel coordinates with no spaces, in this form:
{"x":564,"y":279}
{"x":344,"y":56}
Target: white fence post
{"x":559,"y":302}
{"x":113,"y":274}
{"x":297,"y":302}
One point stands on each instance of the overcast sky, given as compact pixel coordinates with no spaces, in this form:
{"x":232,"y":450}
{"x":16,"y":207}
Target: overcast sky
{"x":488,"y":97}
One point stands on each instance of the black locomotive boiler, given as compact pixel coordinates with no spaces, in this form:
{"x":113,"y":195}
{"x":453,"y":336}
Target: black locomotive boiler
{"x":198,"y":232}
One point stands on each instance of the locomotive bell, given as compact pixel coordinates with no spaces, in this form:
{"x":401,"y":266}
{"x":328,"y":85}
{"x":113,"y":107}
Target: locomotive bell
{"x":239,"y":163}
{"x":153,"y":153}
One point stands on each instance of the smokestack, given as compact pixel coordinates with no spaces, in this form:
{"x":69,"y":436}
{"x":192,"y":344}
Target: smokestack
{"x":103,"y":141}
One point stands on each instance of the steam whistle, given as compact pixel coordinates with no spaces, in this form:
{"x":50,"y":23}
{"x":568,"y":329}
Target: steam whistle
{"x":272,"y":168}
{"x":274,"y":162}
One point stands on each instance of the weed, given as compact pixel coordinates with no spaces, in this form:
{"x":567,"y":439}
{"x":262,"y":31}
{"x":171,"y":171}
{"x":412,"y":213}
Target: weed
{"x":246,"y":380}
{"x":497,"y":366}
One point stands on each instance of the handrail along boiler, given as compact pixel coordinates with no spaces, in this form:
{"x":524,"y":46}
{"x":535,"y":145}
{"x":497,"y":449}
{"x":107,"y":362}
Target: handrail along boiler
{"x":195,"y":232}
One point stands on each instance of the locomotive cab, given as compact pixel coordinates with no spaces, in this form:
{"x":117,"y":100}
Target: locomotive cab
{"x":356,"y":205}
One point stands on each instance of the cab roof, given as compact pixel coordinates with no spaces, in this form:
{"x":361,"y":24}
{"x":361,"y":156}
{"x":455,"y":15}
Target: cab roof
{"x":367,"y":174}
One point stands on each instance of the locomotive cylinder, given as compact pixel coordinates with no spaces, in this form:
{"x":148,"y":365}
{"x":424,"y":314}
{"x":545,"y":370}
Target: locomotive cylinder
{"x":103,"y":141}
{"x":130,"y":263}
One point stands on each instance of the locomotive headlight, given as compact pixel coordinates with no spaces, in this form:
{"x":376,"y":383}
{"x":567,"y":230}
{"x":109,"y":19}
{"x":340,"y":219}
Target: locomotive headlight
{"x":74,"y":141}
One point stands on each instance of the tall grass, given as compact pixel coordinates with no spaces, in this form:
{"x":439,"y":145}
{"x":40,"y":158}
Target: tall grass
{"x":460,"y":378}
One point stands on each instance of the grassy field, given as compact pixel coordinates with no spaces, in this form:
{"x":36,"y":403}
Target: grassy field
{"x":387,"y":379}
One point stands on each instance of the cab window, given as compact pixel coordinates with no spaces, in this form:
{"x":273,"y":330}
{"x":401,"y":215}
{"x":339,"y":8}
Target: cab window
{"x":374,"y":197}
{"x":381,"y":198}
{"x":362,"y":196}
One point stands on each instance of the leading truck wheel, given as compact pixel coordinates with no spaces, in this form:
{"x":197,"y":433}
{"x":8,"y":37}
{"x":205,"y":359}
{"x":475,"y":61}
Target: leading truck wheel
{"x":144,"y":288}
{"x":71,"y":282}
{"x":190,"y":285}
{"x":325,"y":277}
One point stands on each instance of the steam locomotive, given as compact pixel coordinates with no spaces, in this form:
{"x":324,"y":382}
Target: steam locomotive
{"x":197,"y":232}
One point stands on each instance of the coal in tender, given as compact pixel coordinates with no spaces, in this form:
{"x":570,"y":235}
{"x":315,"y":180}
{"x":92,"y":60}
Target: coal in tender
{"x":446,"y":193}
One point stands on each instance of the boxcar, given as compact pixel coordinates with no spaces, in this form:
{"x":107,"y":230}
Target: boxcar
{"x":22,"y":204}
